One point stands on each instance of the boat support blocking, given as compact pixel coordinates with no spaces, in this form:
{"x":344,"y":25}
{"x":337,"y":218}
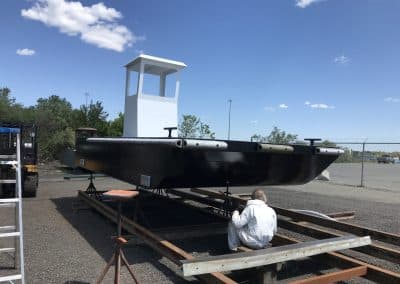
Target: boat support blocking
{"x":164,"y":247}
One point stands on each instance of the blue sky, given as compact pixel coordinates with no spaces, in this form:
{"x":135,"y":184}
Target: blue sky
{"x":326,"y":69}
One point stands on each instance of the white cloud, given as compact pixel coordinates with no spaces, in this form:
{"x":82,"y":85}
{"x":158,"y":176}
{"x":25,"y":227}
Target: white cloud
{"x":307,"y":103}
{"x":254,"y":122}
{"x":323,"y":106}
{"x":139,"y":51}
{"x":305,"y":3}
{"x":26,"y":52}
{"x":96,"y":24}
{"x":283,"y":106}
{"x":341,"y":60}
{"x":392,"y":100}
{"x":269,"y":108}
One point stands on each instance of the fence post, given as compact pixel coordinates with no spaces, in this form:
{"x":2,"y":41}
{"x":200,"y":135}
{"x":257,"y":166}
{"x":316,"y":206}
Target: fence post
{"x":362,"y":165}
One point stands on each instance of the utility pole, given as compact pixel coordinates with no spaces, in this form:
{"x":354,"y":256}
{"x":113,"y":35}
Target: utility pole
{"x":229,"y":119}
{"x":86,"y":96}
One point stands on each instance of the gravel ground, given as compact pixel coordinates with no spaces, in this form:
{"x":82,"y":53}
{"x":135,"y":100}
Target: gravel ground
{"x":63,"y":247}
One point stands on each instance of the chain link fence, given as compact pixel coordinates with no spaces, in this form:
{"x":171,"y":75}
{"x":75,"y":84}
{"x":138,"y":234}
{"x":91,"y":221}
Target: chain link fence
{"x":368,"y":164}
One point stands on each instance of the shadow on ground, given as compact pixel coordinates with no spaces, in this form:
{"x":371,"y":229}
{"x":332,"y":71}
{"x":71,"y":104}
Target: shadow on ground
{"x":97,"y":231}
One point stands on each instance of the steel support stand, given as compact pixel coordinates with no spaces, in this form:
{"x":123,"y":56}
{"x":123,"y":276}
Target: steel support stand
{"x":118,"y":256}
{"x":91,"y":189}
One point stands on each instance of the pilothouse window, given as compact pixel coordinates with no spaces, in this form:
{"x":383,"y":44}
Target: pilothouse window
{"x":170,"y":85}
{"x":133,"y":83}
{"x":151,"y":84}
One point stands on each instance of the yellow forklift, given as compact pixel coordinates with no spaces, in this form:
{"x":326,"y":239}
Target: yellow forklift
{"x":29,"y":160}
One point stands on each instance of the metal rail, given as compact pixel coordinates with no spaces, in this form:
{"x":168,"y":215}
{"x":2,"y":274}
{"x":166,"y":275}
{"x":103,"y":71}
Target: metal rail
{"x":262,"y":257}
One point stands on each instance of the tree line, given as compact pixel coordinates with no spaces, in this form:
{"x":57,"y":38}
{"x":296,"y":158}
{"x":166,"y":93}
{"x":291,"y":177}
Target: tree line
{"x":57,"y":120}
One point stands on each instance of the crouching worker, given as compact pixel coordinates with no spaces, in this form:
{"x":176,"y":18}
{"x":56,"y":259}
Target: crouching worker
{"x":256,"y":226}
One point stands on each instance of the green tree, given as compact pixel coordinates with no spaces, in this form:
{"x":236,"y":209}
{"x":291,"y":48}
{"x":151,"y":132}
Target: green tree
{"x":10,"y":111}
{"x":192,"y":127}
{"x":54,"y":112}
{"x":116,"y":127}
{"x":205,"y":131}
{"x":276,"y":136}
{"x":5,"y":100}
{"x":53,"y":115}
{"x":189,"y":126}
{"x":256,"y":138}
{"x":327,"y":143}
{"x":93,"y":116}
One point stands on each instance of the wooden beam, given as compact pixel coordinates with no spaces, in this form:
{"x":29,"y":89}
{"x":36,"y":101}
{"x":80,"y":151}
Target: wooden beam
{"x":334,"y":276}
{"x":197,"y":198}
{"x":165,"y":248}
{"x":345,"y":227}
{"x":342,"y":215}
{"x":337,"y":225}
{"x":374,"y":273}
{"x":244,"y":260}
{"x":373,"y":249}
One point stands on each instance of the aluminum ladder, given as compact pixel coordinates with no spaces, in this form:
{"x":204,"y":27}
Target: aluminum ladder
{"x":13,"y":231}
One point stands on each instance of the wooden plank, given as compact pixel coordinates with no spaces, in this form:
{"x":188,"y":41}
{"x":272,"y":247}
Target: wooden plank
{"x":337,"y":225}
{"x":162,"y":246}
{"x":244,"y":260}
{"x":342,"y":215}
{"x":83,"y":176}
{"x":373,"y":249}
{"x":243,"y":249}
{"x":334,"y":259}
{"x":334,"y":276}
{"x":197,"y":198}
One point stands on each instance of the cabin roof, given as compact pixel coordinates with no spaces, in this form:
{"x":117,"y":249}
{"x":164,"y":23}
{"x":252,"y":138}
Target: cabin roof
{"x":155,"y":65}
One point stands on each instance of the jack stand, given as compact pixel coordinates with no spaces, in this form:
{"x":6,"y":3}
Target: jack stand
{"x":226,"y":208}
{"x":91,"y":189}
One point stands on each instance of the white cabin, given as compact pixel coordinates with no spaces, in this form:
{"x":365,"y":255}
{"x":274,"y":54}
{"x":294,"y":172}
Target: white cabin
{"x":151,"y":96}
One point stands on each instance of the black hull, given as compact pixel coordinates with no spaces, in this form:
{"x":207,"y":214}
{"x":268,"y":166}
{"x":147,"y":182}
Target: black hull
{"x":173,"y":163}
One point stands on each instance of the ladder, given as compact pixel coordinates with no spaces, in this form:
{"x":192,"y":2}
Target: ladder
{"x":15,"y":231}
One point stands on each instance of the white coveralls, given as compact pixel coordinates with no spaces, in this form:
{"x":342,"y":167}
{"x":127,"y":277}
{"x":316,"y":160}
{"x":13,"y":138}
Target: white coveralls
{"x":255,"y":227}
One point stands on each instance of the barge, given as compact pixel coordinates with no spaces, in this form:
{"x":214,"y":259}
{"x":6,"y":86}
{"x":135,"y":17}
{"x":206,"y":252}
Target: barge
{"x":183,"y":162}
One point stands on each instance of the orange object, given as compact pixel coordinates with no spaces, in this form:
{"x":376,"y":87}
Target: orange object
{"x":121,"y":194}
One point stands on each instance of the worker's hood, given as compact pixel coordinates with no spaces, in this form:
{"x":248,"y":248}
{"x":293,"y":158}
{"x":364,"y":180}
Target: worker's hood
{"x":255,"y":202}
